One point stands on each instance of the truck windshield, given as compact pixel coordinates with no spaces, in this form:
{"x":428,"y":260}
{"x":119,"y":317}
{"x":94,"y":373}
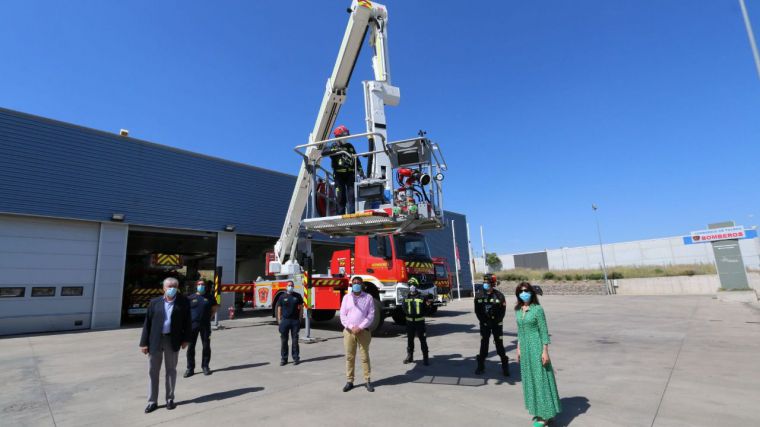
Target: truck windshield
{"x":440,"y":271}
{"x":411,"y":246}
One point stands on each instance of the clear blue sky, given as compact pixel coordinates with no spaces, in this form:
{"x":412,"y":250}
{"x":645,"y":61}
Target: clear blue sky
{"x":648,"y":108}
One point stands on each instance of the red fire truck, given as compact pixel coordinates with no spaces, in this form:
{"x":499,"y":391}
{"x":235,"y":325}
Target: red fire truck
{"x":384,"y":262}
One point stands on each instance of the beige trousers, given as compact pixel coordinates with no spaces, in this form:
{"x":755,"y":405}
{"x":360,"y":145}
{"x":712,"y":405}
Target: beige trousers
{"x":350,"y":342}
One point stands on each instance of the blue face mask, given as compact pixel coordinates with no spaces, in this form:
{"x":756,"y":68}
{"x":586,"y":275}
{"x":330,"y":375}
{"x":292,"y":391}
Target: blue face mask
{"x":356,"y":287}
{"x":486,"y":286}
{"x":201,"y":289}
{"x":289,"y":289}
{"x":525,"y":296}
{"x":171,"y":292}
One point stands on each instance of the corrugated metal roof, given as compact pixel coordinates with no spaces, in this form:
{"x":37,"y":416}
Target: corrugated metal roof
{"x":56,"y":169}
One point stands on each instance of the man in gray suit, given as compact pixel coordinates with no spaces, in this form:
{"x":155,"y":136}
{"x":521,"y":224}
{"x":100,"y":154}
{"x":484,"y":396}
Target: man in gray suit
{"x":167,"y":328}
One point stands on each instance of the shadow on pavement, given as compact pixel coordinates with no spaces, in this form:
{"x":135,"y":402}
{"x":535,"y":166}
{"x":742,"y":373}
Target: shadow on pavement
{"x":451,"y":369}
{"x":236,"y":367}
{"x":320,"y":358}
{"x":221,"y":395}
{"x":571,"y":408}
{"x":448,"y":313}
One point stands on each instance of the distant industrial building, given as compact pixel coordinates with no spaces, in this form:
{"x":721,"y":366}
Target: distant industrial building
{"x":91,"y":221}
{"x":652,"y":252}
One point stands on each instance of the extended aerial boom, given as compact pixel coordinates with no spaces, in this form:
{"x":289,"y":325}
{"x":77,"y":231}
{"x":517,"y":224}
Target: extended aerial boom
{"x":363,"y":15}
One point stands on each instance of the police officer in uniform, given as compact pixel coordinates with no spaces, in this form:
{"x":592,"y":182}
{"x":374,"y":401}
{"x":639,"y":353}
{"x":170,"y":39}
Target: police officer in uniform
{"x":202,"y":309}
{"x":490,"y":307}
{"x":415,"y":306}
{"x":343,"y":169}
{"x":289,"y":313}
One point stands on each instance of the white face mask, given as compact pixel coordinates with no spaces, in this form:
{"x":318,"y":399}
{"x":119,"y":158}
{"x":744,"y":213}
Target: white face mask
{"x":290,"y":289}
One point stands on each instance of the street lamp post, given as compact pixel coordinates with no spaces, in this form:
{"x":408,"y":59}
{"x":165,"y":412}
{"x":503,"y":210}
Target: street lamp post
{"x":601,"y":249}
{"x":750,"y":35}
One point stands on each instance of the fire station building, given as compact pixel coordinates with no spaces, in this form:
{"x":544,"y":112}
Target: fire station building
{"x":90,"y":221}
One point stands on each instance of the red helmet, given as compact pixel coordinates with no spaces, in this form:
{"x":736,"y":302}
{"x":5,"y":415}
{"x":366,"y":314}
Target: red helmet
{"x":490,"y":278}
{"x":341,"y":131}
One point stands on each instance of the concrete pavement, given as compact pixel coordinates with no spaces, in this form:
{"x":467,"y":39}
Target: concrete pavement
{"x":620,"y":361}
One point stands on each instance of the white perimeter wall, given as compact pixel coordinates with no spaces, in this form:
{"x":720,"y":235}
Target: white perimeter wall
{"x":665,"y":251}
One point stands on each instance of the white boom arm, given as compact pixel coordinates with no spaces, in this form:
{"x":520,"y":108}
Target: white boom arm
{"x":363,"y":15}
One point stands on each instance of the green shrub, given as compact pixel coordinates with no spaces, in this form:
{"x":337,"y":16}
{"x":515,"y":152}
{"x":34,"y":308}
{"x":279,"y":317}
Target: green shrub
{"x":616,"y":275}
{"x":579,"y":277}
{"x":548,"y":275}
{"x":595,"y":276}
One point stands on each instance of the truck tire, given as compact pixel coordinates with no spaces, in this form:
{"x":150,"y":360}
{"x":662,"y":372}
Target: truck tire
{"x":379,"y":319}
{"x":322,"y":315}
{"x":398,"y":317}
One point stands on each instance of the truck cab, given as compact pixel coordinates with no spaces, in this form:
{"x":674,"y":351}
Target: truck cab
{"x":387,"y":262}
{"x":444,"y":280}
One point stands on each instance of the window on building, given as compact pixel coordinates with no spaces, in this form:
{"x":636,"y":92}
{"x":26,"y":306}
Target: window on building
{"x":46,"y":291}
{"x":72,"y":291}
{"x":12,"y":292}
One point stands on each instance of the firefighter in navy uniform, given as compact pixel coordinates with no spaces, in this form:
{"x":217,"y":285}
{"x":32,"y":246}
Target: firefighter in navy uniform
{"x":490,"y":307}
{"x":202,"y":308}
{"x":343,"y":170}
{"x":415,"y":307}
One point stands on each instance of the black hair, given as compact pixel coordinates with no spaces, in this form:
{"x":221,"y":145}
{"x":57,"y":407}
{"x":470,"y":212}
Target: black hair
{"x":533,"y":297}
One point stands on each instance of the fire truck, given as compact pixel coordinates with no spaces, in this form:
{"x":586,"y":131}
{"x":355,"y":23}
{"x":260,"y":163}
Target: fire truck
{"x":399,"y":197}
{"x":444,"y":279}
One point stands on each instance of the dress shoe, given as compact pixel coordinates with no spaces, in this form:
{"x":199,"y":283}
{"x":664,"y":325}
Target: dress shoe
{"x":348,"y":386}
{"x":369,"y":387}
{"x":206,"y":371}
{"x":170,"y":405}
{"x":188,"y":373}
{"x":150,"y":408}
{"x":283,"y":362}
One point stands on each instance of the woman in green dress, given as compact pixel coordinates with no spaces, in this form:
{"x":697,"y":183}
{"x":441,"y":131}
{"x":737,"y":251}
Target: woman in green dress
{"x":539,"y":387}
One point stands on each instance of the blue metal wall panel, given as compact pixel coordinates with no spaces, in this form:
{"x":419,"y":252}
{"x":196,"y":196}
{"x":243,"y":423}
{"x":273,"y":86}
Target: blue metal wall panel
{"x":441,"y":244}
{"x":60,"y":170}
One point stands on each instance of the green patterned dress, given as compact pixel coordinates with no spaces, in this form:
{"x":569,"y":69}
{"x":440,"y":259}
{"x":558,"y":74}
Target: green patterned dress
{"x":539,"y":387}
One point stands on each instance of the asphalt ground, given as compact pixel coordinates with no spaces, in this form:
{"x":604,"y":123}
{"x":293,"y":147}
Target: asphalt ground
{"x":619,"y":360}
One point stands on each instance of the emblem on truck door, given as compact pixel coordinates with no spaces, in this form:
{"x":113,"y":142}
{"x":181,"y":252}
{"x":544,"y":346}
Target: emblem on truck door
{"x":263,"y":295}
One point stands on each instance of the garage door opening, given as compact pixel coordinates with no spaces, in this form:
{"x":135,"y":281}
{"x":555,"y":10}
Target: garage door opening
{"x":153,"y":256}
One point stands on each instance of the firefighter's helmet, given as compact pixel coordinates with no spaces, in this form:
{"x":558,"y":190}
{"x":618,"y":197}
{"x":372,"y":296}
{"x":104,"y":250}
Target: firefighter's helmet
{"x":341,"y":131}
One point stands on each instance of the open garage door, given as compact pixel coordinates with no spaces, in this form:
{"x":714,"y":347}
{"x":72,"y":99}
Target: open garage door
{"x":153,"y":255}
{"x":48,"y":274}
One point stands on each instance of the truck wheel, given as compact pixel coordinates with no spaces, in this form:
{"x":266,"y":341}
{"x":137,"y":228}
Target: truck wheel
{"x":322,"y":315}
{"x":379,"y":319}
{"x":398,"y":317}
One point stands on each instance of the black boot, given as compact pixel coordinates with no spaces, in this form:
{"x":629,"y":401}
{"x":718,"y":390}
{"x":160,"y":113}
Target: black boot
{"x":505,"y":365}
{"x":481,"y":366}
{"x":409,"y":358}
{"x":425,"y":360}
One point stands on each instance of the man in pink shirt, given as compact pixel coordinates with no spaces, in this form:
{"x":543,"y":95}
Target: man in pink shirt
{"x":357,"y":310}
